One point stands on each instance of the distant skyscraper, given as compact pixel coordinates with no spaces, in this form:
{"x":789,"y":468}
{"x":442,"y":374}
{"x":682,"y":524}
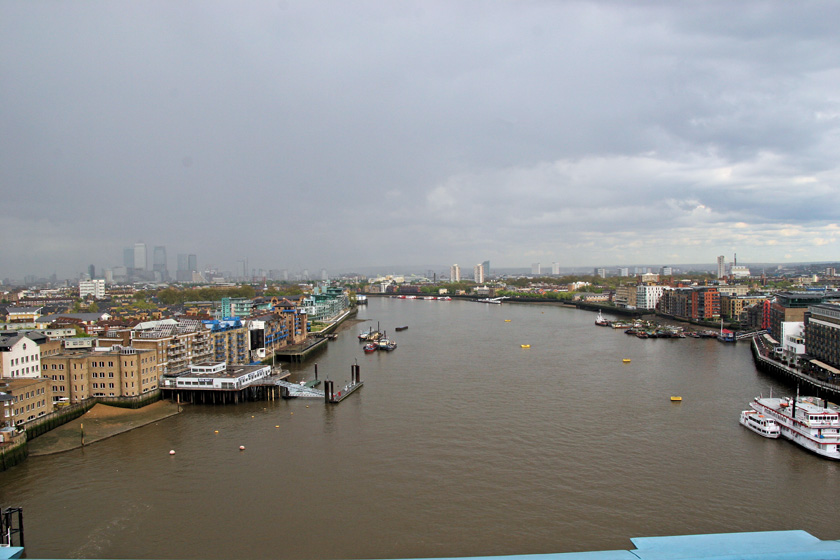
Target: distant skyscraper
{"x":666,"y":271}
{"x":624,"y":271}
{"x":159,"y":262}
{"x":455,"y":273}
{"x":192,"y":263}
{"x":486,"y":265}
{"x":535,"y":268}
{"x":92,"y":272}
{"x":140,"y":260}
{"x":601,"y":272}
{"x":478,"y":273}
{"x":555,"y":268}
{"x":721,"y":266}
{"x":128,"y":257}
{"x":187,"y":264}
{"x":324,"y":276}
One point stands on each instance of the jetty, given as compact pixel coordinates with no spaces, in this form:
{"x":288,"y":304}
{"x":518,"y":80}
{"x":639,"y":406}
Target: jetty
{"x":819,"y":378}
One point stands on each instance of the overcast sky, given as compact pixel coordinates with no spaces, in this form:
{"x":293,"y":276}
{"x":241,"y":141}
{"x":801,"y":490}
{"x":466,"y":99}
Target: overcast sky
{"x":342,"y":135}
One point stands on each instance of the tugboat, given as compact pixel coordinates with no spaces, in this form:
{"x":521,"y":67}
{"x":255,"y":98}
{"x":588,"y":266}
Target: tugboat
{"x":600,"y":321}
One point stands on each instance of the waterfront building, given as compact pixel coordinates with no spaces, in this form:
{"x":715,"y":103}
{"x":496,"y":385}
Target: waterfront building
{"x":26,"y":399}
{"x":209,"y":376}
{"x":791,"y":306}
{"x":455,"y":273}
{"x":78,"y":374}
{"x":822,"y":333}
{"x":731,"y":305}
{"x":95,"y":288}
{"x":625,"y":296}
{"x":733,"y":289}
{"x":648,"y":295}
{"x":229,"y":340}
{"x":327,"y":303}
{"x":478,"y":273}
{"x":699,"y":303}
{"x":20,"y":357}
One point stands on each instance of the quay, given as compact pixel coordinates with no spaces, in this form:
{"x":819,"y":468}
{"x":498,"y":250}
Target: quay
{"x":763,"y":351}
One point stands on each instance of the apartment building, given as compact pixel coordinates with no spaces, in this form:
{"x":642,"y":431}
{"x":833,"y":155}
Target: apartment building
{"x":121,"y":371}
{"x":822,"y":333}
{"x":20,"y":356}
{"x":26,"y":399}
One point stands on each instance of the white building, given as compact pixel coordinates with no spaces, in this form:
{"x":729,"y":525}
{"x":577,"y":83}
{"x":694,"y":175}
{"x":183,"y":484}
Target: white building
{"x":536,"y":269}
{"x":647,"y":295}
{"x":624,"y":271}
{"x":478,"y":273}
{"x":21,"y":357}
{"x":721,"y":266}
{"x":215,"y":376}
{"x":555,"y":268}
{"x":455,"y":273}
{"x":95,"y":288}
{"x":140,"y":258}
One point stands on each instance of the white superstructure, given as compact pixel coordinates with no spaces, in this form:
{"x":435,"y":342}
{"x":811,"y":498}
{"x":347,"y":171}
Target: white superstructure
{"x":760,"y":424}
{"x":804,"y":422}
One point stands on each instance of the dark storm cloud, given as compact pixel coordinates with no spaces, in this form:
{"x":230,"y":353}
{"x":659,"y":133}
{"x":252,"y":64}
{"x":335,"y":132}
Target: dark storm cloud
{"x":303,"y":133}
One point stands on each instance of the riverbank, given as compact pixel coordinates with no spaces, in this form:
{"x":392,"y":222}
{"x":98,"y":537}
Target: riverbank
{"x":100,"y":422}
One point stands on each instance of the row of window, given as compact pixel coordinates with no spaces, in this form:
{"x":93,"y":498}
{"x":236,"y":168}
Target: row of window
{"x":24,"y":359}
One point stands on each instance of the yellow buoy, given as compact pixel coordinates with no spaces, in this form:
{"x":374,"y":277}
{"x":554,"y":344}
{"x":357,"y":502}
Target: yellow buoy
{"x":276,"y":426}
{"x":507,"y":320}
{"x":525,"y":345}
{"x":217,"y":431}
{"x":676,"y":399}
{"x":626,"y":360}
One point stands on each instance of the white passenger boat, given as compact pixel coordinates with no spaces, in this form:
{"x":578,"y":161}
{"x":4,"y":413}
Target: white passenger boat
{"x":803,"y":421}
{"x":760,"y":424}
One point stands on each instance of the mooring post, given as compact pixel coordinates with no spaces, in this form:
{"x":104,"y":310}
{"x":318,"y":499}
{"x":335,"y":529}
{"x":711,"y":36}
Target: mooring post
{"x":316,"y":372}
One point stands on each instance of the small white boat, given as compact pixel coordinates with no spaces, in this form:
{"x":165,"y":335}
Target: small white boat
{"x":760,"y":424}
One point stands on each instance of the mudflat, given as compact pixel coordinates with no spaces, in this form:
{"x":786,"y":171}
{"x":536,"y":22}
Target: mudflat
{"x":100,"y":422}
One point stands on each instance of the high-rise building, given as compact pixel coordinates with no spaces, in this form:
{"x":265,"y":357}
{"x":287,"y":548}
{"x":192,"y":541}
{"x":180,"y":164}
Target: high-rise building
{"x":95,"y":288}
{"x":666,"y":271}
{"x":624,"y":271}
{"x":601,"y":272}
{"x":92,"y":272}
{"x":140,"y":259}
{"x":455,"y":273}
{"x":159,"y":262}
{"x":128,"y":257}
{"x":478,"y":273}
{"x":486,"y":265}
{"x":535,"y":268}
{"x":721,"y":266}
{"x":555,"y":268}
{"x":324,"y":276}
{"x":187,"y":265}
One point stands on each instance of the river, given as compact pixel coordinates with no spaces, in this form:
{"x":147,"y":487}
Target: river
{"x":460,"y":443}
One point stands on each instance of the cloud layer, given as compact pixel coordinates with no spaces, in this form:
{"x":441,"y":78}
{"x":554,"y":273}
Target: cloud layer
{"x":314,"y":134}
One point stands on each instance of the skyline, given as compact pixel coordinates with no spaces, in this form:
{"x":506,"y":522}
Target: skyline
{"x":307,"y":135}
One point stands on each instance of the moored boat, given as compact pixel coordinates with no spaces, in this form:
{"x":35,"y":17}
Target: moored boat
{"x":600,"y":321}
{"x":760,"y":424}
{"x":805,"y":422}
{"x":401,"y":328}
{"x":370,"y":347}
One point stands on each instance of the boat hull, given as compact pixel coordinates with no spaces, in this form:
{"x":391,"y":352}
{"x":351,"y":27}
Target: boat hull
{"x":763,"y":426}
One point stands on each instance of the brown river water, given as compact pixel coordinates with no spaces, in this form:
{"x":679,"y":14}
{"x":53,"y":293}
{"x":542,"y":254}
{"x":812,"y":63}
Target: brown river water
{"x":460,"y":443}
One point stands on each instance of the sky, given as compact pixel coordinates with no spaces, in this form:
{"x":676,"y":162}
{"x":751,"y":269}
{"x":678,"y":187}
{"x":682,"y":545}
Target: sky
{"x":341,"y":135}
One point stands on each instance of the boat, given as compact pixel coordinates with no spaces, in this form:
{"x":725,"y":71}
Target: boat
{"x":7,"y":551}
{"x":600,"y":321}
{"x":760,"y":424}
{"x":387,"y":345}
{"x":370,"y":347}
{"x":401,"y":328}
{"x":361,"y":300}
{"x":805,"y":422}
